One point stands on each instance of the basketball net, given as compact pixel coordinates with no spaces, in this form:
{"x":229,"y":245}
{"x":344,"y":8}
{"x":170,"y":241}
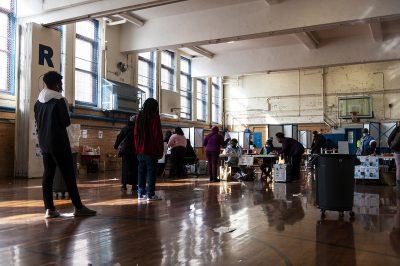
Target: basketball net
{"x":354,"y":117}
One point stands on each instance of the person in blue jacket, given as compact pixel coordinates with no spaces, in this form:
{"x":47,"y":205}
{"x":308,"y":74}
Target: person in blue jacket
{"x":366,"y":141}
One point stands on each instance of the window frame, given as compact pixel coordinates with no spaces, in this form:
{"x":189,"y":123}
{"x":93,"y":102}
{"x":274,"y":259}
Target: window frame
{"x":216,"y":100}
{"x":203,"y":99}
{"x":11,"y":46}
{"x":189,"y":91}
{"x":170,"y":69}
{"x":95,"y":43}
{"x":151,"y":64}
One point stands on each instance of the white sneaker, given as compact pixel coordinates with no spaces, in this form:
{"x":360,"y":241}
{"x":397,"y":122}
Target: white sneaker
{"x":142,"y":198}
{"x":51,"y":214}
{"x":154,"y":198}
{"x":84,"y":211}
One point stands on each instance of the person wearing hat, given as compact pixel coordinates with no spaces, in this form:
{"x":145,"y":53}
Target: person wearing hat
{"x":366,"y":141}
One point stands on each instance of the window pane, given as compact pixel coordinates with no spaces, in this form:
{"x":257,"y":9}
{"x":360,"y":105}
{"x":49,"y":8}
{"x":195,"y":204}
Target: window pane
{"x":86,"y":28}
{"x":185,"y":85}
{"x":146,"y":90}
{"x":185,"y":65}
{"x":3,"y":31}
{"x":166,"y":78}
{"x":3,"y":71}
{"x":84,"y":84}
{"x":146,"y":55}
{"x":166,"y":59}
{"x":6,"y":4}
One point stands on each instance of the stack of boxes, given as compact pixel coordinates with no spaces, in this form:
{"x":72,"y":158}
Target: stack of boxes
{"x":369,"y":168}
{"x":366,"y":203}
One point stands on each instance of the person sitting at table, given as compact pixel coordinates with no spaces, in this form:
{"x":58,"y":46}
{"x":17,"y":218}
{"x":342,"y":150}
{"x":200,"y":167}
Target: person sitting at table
{"x":292,"y":150}
{"x":233,"y":151}
{"x":267,"y":164}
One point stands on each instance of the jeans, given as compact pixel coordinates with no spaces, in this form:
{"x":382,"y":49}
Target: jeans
{"x":146,"y":175}
{"x":64,"y":162}
{"x":212,"y":158}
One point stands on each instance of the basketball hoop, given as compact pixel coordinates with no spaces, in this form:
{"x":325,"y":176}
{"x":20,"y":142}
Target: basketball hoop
{"x":354,"y":117}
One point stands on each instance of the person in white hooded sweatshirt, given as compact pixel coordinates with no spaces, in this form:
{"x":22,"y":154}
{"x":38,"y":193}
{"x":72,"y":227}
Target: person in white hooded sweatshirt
{"x":52,"y":119}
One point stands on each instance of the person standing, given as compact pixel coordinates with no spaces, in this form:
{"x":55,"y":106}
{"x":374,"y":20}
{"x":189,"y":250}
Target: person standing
{"x":366,"y":142}
{"x":52,"y":119}
{"x":292,"y":150}
{"x":394,"y":144}
{"x":148,"y":142}
{"x":124,"y":145}
{"x":212,"y":144}
{"x":178,"y":143}
{"x":318,"y":143}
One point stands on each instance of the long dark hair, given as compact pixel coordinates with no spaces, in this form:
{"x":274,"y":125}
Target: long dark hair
{"x":150,"y":108}
{"x":179,"y":131}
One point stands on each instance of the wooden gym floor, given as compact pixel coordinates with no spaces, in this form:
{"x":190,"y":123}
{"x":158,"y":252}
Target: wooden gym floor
{"x":198,"y":223}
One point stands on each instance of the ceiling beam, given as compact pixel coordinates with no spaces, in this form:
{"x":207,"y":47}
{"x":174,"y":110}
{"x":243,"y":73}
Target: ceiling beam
{"x":202,"y":51}
{"x":376,"y":31}
{"x":132,"y":19}
{"x":273,"y":2}
{"x":116,"y":22}
{"x":308,"y":39}
{"x":93,"y":11}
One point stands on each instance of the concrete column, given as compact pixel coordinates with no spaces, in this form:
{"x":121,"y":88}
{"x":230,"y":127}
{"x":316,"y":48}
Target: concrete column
{"x":158,"y":78}
{"x":133,"y":65}
{"x":194,"y":99}
{"x":209,"y":100}
{"x":69,"y":71}
{"x":177,"y":76}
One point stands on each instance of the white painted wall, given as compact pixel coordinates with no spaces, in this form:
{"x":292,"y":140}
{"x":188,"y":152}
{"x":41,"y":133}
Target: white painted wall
{"x":246,"y":96}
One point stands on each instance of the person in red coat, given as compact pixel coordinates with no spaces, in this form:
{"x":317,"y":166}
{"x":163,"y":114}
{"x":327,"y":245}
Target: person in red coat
{"x":149,"y":147}
{"x":213,"y":143}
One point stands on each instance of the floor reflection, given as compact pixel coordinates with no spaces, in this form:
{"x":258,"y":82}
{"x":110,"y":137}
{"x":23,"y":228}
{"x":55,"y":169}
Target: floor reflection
{"x":227,"y":223}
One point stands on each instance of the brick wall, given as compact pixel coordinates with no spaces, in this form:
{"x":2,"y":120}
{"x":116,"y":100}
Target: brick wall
{"x":6,"y":149}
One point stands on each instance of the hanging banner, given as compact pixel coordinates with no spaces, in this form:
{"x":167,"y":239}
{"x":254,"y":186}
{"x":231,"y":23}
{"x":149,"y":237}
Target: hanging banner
{"x":40,"y":53}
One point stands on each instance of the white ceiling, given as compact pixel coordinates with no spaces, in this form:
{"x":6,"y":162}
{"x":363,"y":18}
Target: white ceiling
{"x":185,"y":7}
{"x":324,"y":36}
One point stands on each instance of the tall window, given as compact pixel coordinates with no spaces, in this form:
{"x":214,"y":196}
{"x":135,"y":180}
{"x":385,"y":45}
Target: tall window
{"x":216,"y":100}
{"x":7,"y":46}
{"x":146,"y":73}
{"x":86,"y":62}
{"x":167,"y":70}
{"x":186,"y":88}
{"x":201,"y":100}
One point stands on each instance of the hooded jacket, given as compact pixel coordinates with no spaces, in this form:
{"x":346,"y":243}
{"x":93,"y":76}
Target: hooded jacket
{"x":213,"y":141}
{"x":52,"y":119}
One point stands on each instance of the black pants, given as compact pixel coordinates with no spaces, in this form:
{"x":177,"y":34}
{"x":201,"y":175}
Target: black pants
{"x":178,"y":161}
{"x":129,"y":170}
{"x":64,"y":162}
{"x":296,"y":162}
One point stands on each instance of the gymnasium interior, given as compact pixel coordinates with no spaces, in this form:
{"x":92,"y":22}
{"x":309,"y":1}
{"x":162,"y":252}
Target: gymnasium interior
{"x":252,"y":68}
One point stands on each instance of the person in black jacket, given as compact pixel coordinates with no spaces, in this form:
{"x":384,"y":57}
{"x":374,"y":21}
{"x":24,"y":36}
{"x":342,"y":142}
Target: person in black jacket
{"x":52,"y":119}
{"x":393,"y":138}
{"x":292,"y":150}
{"x":318,"y":143}
{"x":124,"y":145}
